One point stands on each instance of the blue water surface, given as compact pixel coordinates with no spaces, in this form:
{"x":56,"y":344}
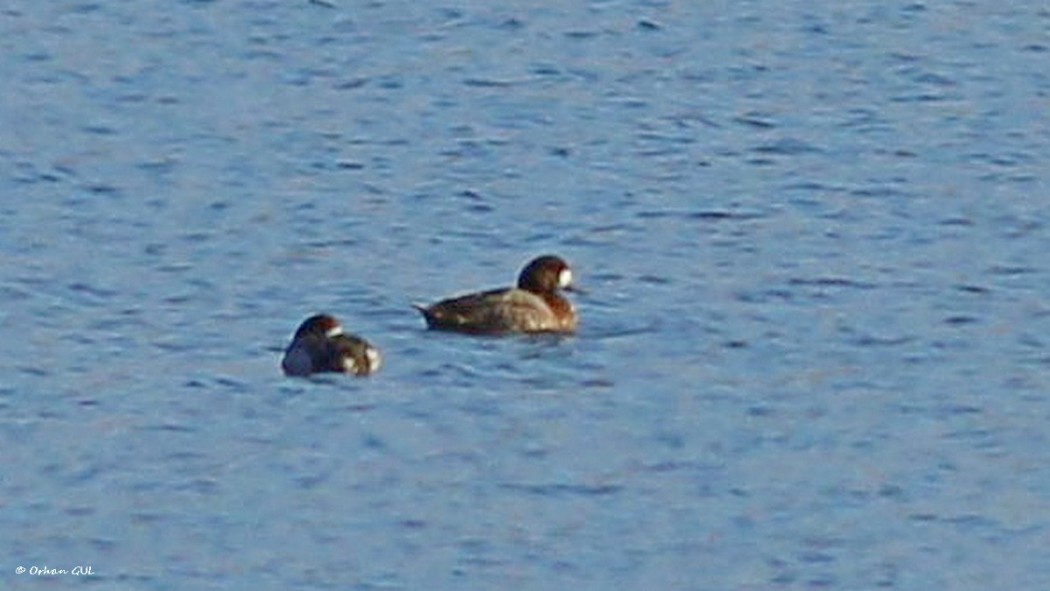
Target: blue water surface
{"x":813,"y":351}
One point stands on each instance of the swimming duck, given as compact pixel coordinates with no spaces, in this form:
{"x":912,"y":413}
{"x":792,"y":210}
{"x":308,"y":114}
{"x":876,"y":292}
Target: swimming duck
{"x":535,"y":305}
{"x":320,"y":345}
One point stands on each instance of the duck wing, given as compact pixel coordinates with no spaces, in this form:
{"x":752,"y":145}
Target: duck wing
{"x":491,"y":312}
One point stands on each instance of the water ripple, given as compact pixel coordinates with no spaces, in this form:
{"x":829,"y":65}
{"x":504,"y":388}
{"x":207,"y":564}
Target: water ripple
{"x":559,"y":489}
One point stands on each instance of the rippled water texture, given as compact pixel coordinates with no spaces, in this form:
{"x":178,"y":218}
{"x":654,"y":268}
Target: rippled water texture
{"x":814,"y":351}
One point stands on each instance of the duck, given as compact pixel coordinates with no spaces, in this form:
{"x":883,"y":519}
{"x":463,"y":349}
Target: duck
{"x":321,"y":345}
{"x":535,"y":305}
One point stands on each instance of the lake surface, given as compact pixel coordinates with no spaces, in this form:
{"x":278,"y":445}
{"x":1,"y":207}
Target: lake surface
{"x":814,"y":353}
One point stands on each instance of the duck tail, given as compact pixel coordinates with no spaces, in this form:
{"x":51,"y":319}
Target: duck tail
{"x":427,"y":313}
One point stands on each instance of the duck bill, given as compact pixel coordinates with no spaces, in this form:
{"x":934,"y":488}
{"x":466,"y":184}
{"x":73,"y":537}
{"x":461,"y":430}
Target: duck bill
{"x":575,"y":289}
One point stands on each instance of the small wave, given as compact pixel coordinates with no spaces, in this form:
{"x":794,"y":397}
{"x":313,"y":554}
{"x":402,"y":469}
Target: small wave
{"x":560,"y":489}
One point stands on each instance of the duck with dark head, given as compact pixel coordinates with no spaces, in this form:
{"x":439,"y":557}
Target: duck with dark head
{"x":320,"y":345}
{"x":536,"y":305}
